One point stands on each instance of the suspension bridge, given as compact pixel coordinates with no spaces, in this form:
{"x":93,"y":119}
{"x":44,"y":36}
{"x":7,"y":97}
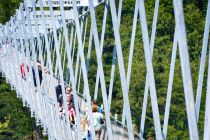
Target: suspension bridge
{"x":61,"y":35}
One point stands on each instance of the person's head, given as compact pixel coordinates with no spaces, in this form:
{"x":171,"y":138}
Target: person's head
{"x":94,"y":102}
{"x":59,"y":81}
{"x":150,"y":138}
{"x":38,"y":61}
{"x":94,"y":108}
{"x":68,"y":89}
{"x":46,"y":70}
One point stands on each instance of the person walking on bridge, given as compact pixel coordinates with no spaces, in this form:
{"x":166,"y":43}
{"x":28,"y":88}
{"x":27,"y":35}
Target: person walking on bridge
{"x":69,"y":95}
{"x":98,"y":120}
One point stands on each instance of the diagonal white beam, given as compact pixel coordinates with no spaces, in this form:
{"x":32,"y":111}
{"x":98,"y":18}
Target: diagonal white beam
{"x":185,"y":66}
{"x":121,"y":68}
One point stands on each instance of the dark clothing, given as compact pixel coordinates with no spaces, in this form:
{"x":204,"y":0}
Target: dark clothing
{"x":60,"y":99}
{"x":58,"y":91}
{"x":72,"y":100}
{"x":34,"y":76}
{"x":40,"y":75}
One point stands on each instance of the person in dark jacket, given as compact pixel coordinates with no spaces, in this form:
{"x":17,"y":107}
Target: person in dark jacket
{"x":39,"y":72}
{"x":34,"y":76}
{"x":58,"y":90}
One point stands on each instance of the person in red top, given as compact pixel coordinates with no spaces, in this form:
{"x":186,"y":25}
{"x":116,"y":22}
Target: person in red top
{"x":71,"y":113}
{"x":22,"y":70}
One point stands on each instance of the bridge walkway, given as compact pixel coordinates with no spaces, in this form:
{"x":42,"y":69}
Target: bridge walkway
{"x":41,"y":104}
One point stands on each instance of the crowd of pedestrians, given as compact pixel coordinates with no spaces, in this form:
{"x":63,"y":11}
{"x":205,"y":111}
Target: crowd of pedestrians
{"x":85,"y":121}
{"x":23,"y":72}
{"x":71,"y":113}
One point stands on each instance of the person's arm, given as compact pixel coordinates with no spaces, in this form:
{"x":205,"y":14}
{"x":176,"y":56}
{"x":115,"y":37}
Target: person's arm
{"x":102,"y":119}
{"x":21,"y":69}
{"x":70,"y":117}
{"x":74,"y":114}
{"x":27,"y":68}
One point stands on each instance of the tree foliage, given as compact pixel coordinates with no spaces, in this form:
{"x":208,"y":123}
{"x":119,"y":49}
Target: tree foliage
{"x":194,"y":13}
{"x":7,"y":9}
{"x":15,"y":120}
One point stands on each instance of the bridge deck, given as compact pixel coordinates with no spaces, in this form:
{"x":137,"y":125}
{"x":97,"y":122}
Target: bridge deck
{"x":46,"y":105}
